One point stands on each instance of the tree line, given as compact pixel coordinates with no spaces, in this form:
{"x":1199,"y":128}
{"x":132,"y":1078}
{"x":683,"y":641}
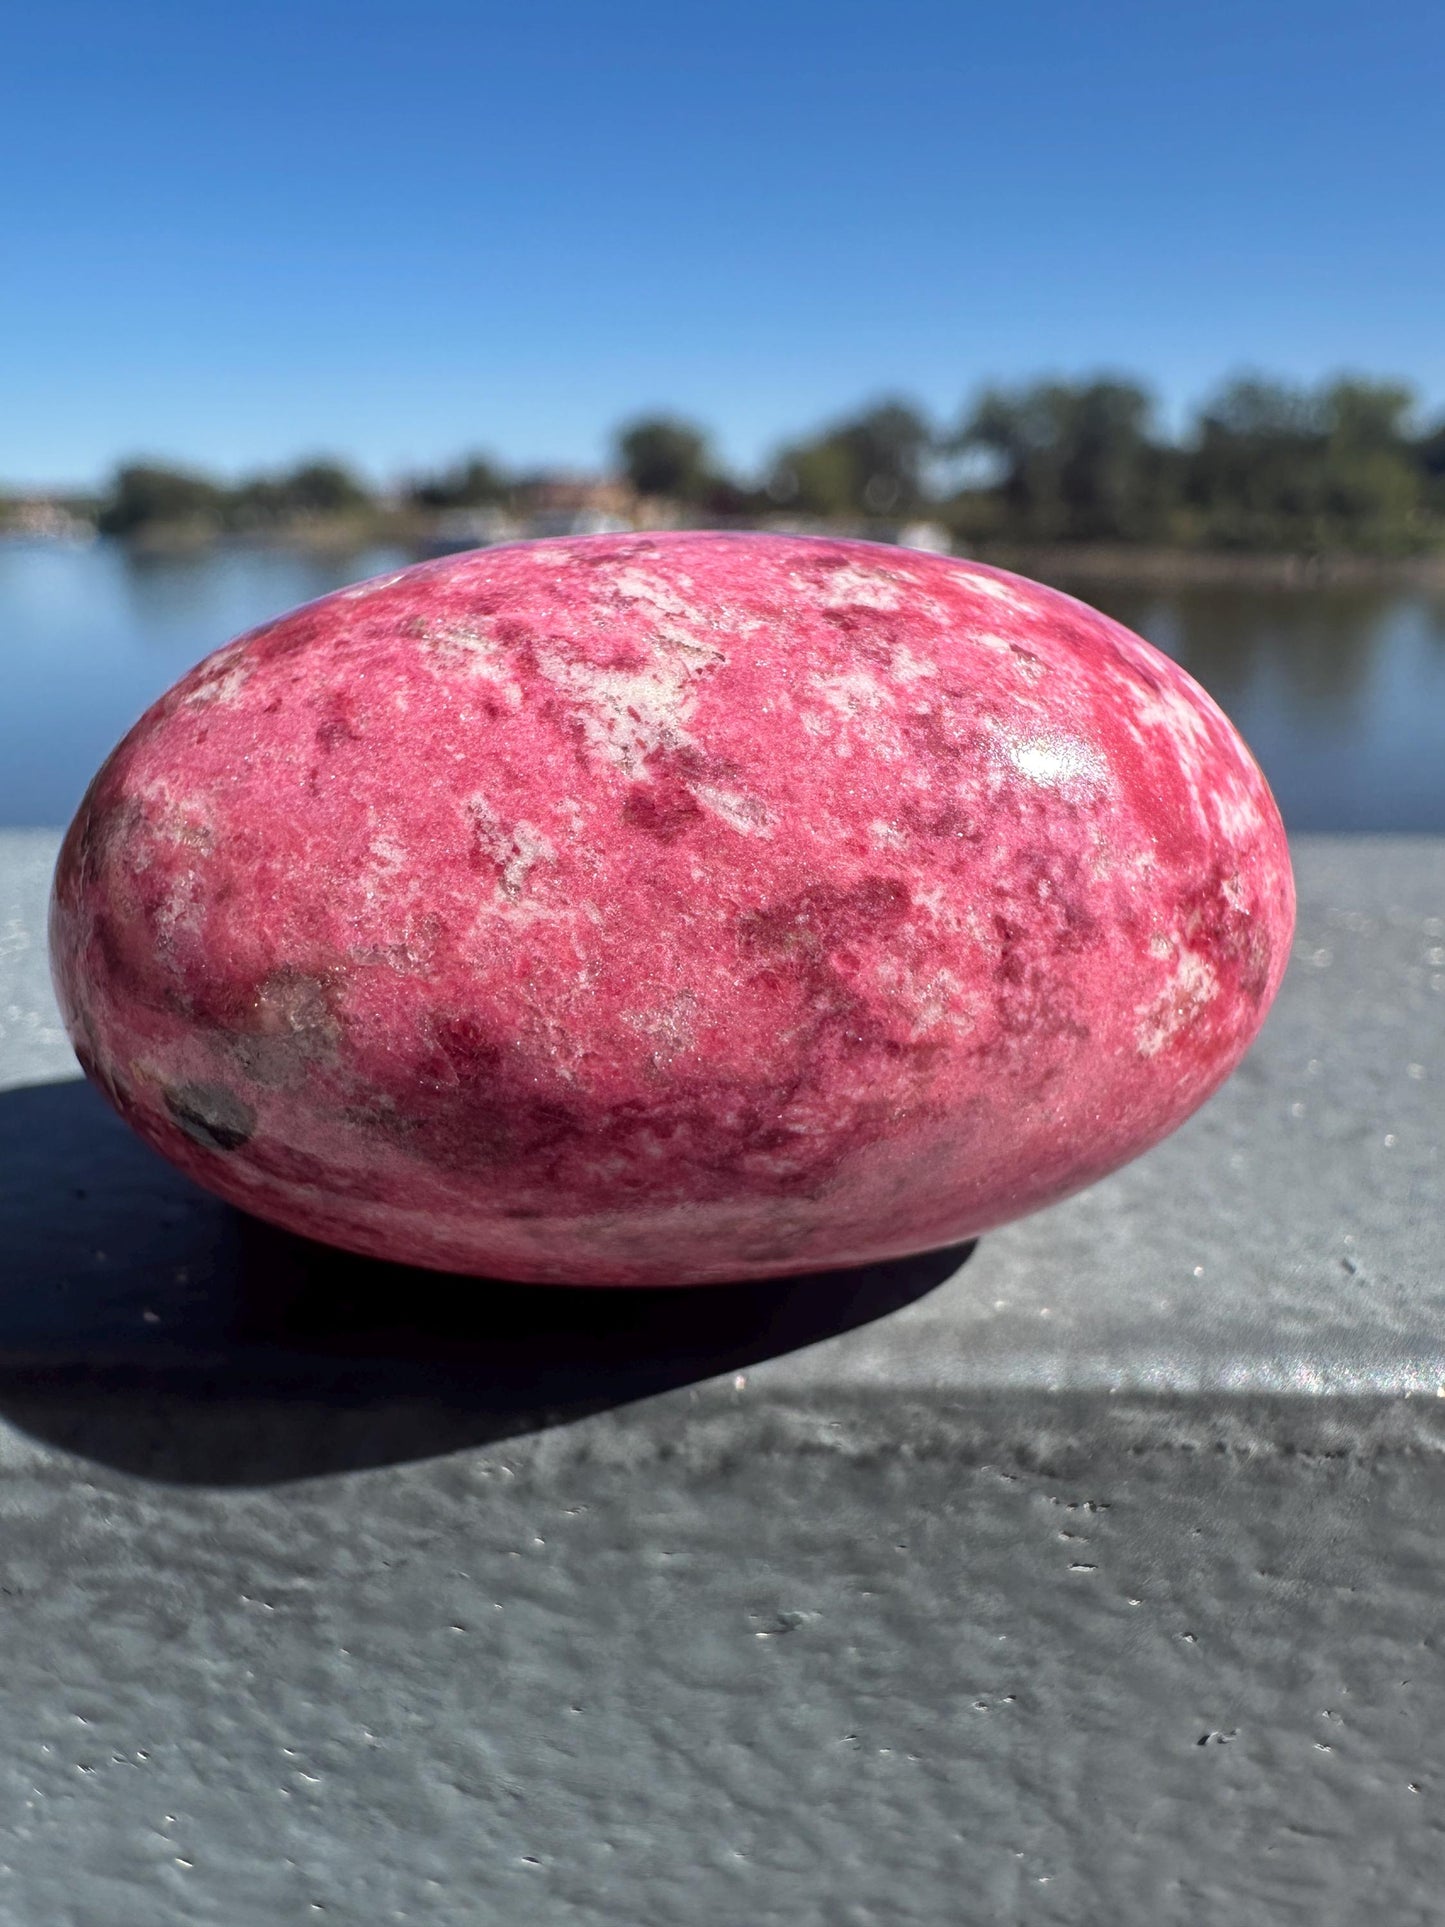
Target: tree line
{"x":1263,"y":465}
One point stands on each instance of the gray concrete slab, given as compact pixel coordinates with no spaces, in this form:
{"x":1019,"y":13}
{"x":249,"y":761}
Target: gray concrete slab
{"x":1090,"y":1575}
{"x":33,"y":1046}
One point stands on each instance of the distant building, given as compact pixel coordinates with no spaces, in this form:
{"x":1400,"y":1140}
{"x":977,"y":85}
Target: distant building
{"x":925,"y":535}
{"x":606,"y":494}
{"x":38,"y":519}
{"x":475,"y":528}
{"x":563,"y":504}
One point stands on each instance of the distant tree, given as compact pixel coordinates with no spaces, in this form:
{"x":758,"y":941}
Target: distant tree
{"x":871,"y":464}
{"x":256,"y":502}
{"x":1430,"y":457}
{"x":1275,"y":466}
{"x":1075,"y":460}
{"x":1264,"y":465}
{"x":322,"y":487}
{"x":150,"y":494}
{"x":663,"y":455}
{"x":1375,"y":493}
{"x":316,"y":487}
{"x":1255,"y":462}
{"x":1255,"y":408}
{"x":1359,"y":413}
{"x":733,"y":501}
{"x":476,"y":482}
{"x":818,"y":478}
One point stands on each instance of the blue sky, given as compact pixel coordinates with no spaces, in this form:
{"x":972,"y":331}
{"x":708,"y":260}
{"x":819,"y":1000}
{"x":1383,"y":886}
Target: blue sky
{"x":236,"y":234}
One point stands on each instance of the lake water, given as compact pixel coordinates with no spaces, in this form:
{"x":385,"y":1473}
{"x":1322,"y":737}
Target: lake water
{"x":1340,"y":692}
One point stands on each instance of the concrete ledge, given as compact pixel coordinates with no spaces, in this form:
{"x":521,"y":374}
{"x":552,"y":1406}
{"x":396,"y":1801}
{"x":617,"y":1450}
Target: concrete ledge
{"x":1093,"y":1575}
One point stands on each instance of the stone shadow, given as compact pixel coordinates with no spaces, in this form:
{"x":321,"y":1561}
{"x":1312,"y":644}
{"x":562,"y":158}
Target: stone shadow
{"x":148,"y":1326}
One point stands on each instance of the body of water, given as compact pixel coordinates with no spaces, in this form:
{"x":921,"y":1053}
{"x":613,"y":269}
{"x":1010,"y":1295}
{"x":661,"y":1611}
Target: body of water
{"x":1340,"y":692}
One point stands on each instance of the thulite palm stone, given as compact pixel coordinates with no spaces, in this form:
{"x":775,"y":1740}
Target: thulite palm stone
{"x":648,"y":910}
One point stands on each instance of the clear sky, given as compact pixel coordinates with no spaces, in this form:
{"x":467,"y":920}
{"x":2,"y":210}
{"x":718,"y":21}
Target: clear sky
{"x":236,"y":233}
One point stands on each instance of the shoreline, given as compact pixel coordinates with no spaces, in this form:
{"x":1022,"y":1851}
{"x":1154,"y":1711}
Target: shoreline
{"x":1085,"y":562}
{"x":1112,"y":562}
{"x":1212,"y":567}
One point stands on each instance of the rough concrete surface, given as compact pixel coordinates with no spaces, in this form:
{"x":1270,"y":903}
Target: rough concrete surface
{"x":1088,"y":1576}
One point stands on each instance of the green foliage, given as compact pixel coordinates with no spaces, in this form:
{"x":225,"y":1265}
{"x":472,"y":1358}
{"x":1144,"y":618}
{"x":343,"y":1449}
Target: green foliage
{"x":872,"y":464}
{"x":1265,"y":465}
{"x":1431,"y":454}
{"x":148,"y":495}
{"x":818,"y":478}
{"x":1076,"y":461}
{"x":1274,"y":467}
{"x":314,"y":488}
{"x":143,"y":494}
{"x":474,"y":483}
{"x":1278,"y":467}
{"x":664,"y":456}
{"x":323,"y":488}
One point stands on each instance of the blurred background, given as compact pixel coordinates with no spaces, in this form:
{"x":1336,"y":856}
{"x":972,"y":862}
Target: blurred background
{"x":1146,"y":302}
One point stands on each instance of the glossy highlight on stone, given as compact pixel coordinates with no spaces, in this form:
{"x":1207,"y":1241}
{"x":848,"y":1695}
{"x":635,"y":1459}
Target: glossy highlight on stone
{"x":672,"y":908}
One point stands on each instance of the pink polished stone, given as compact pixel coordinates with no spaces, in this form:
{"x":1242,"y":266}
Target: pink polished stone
{"x":644,"y":910}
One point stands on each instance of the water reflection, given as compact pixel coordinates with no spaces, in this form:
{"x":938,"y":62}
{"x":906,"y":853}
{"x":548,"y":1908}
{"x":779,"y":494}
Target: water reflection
{"x":170,"y":599}
{"x":1323,"y":644}
{"x":1339,"y":691}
